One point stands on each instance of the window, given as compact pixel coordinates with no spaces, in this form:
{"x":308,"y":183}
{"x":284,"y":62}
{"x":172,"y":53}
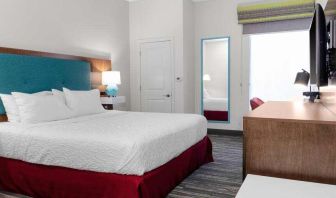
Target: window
{"x":275,"y":60}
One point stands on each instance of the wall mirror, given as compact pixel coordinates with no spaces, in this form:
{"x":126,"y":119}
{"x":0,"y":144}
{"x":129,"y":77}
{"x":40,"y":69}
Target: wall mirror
{"x":215,"y":78}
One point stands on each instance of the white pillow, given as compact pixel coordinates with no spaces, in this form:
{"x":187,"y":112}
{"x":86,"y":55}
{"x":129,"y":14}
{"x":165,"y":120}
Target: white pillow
{"x":59,"y":94}
{"x":35,"y":108}
{"x":84,"y":102}
{"x":12,"y":110}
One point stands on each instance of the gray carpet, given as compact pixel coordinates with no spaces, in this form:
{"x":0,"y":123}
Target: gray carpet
{"x":221,"y":178}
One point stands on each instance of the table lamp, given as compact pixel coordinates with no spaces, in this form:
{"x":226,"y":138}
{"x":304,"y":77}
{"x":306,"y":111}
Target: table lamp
{"x":112,"y":80}
{"x":302,"y":78}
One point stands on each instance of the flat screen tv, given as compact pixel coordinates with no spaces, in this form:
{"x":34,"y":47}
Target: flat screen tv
{"x":318,"y":48}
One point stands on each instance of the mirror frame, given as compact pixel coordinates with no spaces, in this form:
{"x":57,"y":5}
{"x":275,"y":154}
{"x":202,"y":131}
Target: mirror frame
{"x":229,"y":79}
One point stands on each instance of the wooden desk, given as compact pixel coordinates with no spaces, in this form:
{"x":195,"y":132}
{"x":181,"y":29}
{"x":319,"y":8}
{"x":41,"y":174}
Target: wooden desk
{"x":292,"y":140}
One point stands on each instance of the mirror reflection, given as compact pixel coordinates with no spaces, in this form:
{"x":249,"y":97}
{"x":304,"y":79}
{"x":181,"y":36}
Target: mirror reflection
{"x":215,"y":79}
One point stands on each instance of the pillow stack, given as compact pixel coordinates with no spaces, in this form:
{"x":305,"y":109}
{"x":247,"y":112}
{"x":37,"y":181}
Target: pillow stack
{"x":50,"y":106}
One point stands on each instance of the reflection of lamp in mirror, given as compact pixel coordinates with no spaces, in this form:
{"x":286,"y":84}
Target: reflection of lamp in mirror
{"x":206,"y":77}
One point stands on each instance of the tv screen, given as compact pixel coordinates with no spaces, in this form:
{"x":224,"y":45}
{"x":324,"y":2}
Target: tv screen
{"x":318,"y":48}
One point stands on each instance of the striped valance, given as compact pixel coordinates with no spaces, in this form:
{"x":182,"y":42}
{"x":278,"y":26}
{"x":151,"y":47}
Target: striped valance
{"x":330,"y":9}
{"x":270,"y":11}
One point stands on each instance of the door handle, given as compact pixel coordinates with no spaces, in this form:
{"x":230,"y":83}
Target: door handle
{"x":167,"y":95}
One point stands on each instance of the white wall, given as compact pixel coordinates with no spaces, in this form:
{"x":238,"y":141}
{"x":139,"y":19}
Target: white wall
{"x":78,"y":27}
{"x":188,"y":56}
{"x":164,"y":19}
{"x":213,"y":19}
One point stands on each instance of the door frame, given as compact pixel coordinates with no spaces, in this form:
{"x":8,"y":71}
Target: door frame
{"x":138,"y":68}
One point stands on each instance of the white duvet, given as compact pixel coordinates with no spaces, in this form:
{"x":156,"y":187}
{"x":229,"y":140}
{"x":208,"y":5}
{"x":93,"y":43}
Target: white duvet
{"x":114,"y":142}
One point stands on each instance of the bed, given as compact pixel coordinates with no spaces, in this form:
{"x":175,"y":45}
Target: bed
{"x":111,"y":154}
{"x":216,"y":108}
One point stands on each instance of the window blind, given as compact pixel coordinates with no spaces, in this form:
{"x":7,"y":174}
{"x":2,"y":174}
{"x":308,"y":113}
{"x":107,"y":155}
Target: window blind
{"x":276,"y":15}
{"x":330,"y":9}
{"x":275,"y":11}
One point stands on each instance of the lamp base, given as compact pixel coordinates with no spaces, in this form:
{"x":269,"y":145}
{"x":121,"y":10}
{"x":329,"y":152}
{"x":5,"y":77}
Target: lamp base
{"x":112,"y":90}
{"x":312,"y":95}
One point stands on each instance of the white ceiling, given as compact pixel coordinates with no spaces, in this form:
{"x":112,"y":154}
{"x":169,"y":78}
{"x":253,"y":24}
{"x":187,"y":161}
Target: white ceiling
{"x":192,"y":0}
{"x":240,"y":1}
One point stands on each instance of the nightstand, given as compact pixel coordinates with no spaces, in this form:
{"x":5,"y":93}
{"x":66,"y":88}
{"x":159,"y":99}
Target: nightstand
{"x":108,"y":102}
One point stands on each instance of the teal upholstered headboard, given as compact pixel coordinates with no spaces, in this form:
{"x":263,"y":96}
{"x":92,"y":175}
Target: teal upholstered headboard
{"x":29,"y":74}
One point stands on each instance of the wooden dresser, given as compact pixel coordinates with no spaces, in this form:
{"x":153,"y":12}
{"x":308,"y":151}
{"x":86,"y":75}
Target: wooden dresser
{"x":293,"y":140}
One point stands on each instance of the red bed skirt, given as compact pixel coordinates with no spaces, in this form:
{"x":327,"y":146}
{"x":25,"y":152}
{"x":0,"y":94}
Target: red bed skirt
{"x":216,"y":115}
{"x":40,"y":181}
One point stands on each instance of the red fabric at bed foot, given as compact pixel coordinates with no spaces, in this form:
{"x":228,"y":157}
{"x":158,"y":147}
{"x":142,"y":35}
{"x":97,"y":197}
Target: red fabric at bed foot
{"x":41,"y":181}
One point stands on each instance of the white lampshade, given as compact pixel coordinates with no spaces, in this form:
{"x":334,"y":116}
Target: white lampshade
{"x":111,"y":78}
{"x":206,"y":77}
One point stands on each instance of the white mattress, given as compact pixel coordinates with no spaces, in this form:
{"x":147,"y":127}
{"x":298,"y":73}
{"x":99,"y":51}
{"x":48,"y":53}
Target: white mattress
{"x":115,"y":142}
{"x":215,"y":104}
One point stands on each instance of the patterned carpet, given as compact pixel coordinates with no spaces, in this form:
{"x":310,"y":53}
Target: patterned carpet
{"x":221,"y":178}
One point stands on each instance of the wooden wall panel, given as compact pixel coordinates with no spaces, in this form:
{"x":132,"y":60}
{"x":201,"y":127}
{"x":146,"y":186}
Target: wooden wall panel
{"x":97,"y":65}
{"x":3,"y":118}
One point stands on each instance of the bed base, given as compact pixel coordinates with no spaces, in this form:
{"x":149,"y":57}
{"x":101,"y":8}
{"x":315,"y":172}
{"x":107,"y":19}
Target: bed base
{"x":40,"y":181}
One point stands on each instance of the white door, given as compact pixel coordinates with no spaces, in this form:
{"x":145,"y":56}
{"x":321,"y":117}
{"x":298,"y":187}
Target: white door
{"x":156,"y":76}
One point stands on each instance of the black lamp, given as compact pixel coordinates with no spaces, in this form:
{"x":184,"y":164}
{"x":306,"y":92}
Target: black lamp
{"x":302,"y":78}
